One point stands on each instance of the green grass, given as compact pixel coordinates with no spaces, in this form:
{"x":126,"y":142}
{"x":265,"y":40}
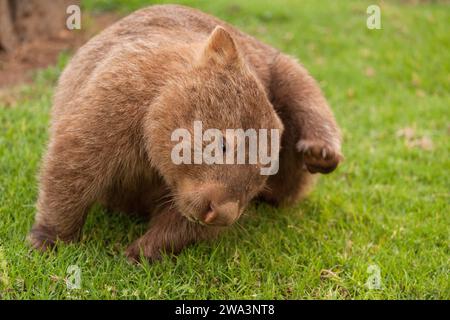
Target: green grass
{"x":388,"y":205}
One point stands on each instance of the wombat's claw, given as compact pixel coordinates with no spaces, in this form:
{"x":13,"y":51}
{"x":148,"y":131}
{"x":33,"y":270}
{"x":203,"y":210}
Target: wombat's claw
{"x":319,"y":156}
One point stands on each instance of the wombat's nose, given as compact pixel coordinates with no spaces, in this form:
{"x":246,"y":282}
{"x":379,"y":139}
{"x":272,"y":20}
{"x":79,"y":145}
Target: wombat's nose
{"x":223,"y":214}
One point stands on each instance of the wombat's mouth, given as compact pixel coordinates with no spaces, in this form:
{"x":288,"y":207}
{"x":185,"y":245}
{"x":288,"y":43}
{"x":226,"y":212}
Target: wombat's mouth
{"x":217,"y":215}
{"x":211,"y":204}
{"x":195,"y":220}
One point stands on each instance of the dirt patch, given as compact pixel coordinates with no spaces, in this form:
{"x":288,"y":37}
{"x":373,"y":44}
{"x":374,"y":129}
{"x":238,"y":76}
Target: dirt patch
{"x":17,"y":66}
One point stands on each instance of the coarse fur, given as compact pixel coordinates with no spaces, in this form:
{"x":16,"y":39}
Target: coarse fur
{"x":128,"y":88}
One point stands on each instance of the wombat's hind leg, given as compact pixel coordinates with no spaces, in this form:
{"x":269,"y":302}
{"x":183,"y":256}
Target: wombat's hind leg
{"x":41,"y":237}
{"x":68,"y":187}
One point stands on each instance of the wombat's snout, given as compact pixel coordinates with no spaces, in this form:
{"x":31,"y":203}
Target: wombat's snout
{"x":213,"y":206}
{"x":221,"y":214}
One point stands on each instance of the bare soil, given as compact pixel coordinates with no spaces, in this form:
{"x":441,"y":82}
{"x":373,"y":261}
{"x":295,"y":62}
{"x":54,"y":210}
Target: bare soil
{"x":17,"y":67}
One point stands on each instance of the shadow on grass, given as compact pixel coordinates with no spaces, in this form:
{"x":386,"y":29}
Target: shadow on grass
{"x":262,"y":230}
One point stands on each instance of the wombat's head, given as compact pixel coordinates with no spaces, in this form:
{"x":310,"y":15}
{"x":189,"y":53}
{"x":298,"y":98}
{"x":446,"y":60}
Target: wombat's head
{"x":197,"y":123}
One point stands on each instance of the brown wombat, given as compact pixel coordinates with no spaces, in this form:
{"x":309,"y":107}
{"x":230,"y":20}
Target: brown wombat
{"x":128,"y":89}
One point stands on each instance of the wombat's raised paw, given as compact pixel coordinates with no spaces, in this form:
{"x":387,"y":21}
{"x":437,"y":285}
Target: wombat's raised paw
{"x":319,"y":156}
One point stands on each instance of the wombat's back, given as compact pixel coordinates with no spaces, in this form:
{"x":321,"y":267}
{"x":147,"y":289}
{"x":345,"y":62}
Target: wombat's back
{"x":159,"y":26}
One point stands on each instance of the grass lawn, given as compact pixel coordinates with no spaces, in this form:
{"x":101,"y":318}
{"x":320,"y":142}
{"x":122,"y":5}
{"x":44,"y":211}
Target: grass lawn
{"x":385,"y":209}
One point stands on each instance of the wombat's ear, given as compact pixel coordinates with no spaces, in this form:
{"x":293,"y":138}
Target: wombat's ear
{"x":220,"y":47}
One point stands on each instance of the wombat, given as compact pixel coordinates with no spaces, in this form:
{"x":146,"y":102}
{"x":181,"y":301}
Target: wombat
{"x":129,"y":88}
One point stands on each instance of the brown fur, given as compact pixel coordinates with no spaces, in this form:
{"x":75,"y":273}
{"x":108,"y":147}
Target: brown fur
{"x":159,"y":69}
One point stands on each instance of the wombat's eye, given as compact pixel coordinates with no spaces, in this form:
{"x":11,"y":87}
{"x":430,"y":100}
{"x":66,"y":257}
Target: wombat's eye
{"x":223,"y":145}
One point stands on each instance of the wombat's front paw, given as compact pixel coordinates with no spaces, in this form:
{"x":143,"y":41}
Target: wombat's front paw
{"x":41,"y":238}
{"x":319,"y":156}
{"x":137,"y":250}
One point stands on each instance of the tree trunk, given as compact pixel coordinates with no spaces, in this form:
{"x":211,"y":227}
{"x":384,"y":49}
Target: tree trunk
{"x":30,"y":20}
